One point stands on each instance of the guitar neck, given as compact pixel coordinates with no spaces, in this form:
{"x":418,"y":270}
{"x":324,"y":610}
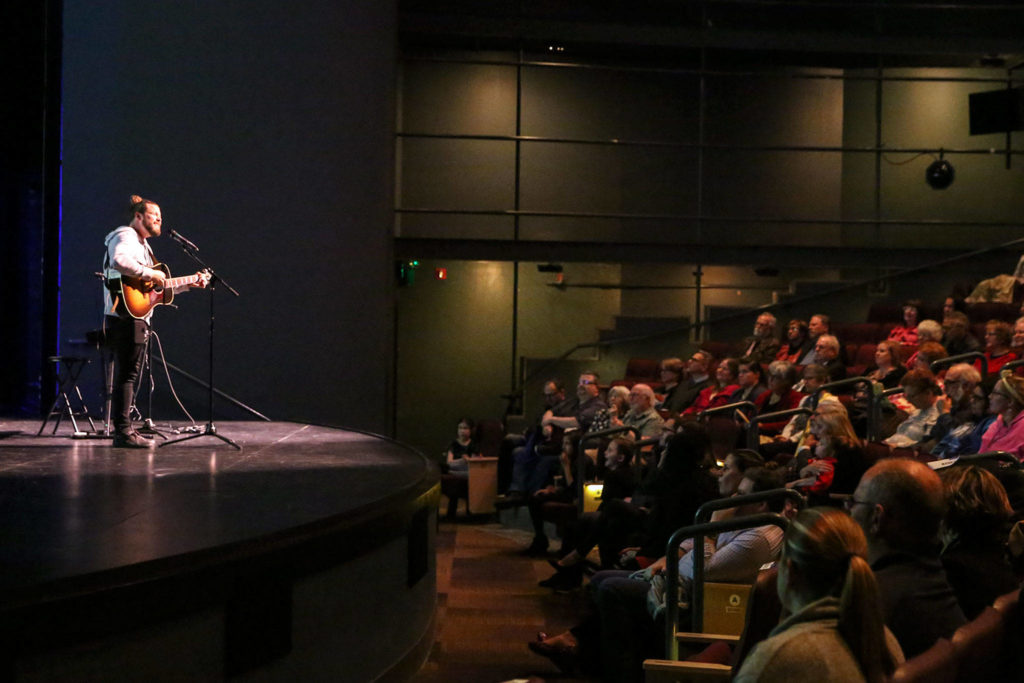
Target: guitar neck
{"x":175,"y":282}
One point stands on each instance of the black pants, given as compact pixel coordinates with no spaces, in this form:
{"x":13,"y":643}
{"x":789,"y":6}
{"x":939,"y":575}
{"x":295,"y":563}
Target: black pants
{"x":127,"y":338}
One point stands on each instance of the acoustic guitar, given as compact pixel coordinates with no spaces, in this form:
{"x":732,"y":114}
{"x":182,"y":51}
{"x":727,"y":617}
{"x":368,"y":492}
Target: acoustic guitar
{"x":139,"y":298}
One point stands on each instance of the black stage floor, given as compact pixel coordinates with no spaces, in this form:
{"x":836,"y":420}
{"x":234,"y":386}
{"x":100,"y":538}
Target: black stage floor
{"x":79,"y":517}
{"x":71,"y":507}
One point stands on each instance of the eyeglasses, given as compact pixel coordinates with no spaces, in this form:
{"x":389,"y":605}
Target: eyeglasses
{"x":587,"y":381}
{"x":852,"y":501}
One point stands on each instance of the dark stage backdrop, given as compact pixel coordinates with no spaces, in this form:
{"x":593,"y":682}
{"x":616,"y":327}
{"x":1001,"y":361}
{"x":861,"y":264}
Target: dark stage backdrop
{"x":265,"y":131}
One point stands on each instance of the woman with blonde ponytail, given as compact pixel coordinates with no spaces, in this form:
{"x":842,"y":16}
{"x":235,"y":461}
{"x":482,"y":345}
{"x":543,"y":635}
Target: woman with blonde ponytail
{"x":832,"y":628}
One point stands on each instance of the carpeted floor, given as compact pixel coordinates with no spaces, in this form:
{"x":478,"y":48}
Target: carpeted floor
{"x":489,"y":606}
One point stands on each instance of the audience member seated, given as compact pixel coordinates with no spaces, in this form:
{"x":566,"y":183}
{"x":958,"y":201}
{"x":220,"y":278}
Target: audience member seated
{"x":1001,"y":288}
{"x":907,"y":332}
{"x":751,"y":383}
{"x":560,"y":491}
{"x":965,"y":438}
{"x":974,"y":533}
{"x":957,"y":337}
{"x":818,"y":325}
{"x":899,"y":504}
{"x":797,"y":342}
{"x":928,"y":353}
{"x":719,"y":393}
{"x":796,"y":430}
{"x":618,"y":406}
{"x":1017,"y":342}
{"x":826,"y":351}
{"x":832,"y":460}
{"x":958,"y":387}
{"x":672,"y":374}
{"x":888,"y":370}
{"x":927,"y":331}
{"x":698,"y":377}
{"x":534,"y":463}
{"x":666,"y":500}
{"x":998,"y":337}
{"x":455,"y":480}
{"x":921,"y":391}
{"x":835,"y":628}
{"x":617,"y":483}
{"x":1006,"y":433}
{"x":620,"y":632}
{"x":781,"y":378}
{"x":641,"y":415}
{"x":763,"y":345}
{"x":514,"y":446}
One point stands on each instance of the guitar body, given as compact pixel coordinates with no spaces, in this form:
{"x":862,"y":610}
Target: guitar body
{"x":141,"y":297}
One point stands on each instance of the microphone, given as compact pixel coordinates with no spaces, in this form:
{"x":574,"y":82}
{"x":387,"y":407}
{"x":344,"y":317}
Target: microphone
{"x":180,"y":239}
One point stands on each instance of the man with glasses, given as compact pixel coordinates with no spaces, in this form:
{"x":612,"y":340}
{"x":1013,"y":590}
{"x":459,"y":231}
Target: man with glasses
{"x":899,"y":504}
{"x":588,"y":404}
{"x":959,"y":385}
{"x":698,"y":377}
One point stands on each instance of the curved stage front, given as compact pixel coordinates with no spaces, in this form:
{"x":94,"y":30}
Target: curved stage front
{"x":306,"y":556}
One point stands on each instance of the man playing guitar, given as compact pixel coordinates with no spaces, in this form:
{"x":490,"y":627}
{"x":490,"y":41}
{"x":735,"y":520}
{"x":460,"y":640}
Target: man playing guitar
{"x":133,"y":276}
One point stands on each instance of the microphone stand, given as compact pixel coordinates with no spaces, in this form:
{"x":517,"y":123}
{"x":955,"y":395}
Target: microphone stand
{"x":210,"y":429}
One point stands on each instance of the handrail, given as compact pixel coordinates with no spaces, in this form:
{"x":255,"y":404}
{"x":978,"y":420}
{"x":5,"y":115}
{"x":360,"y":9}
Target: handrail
{"x":753,"y":433}
{"x":1013,"y":364}
{"x":698,"y":531}
{"x":999,"y":456}
{"x":962,"y":357}
{"x":875,"y":394}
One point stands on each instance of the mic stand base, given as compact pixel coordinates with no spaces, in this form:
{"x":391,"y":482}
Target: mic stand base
{"x":149,"y":427}
{"x":209,"y":429}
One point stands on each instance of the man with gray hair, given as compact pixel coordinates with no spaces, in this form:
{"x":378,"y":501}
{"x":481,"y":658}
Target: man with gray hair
{"x":960,"y":427}
{"x":826,"y":350}
{"x":642,"y":414}
{"x":764,"y":345}
{"x":899,"y":504}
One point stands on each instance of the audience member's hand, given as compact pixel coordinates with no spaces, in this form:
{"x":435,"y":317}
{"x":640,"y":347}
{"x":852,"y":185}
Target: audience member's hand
{"x":658,"y":566}
{"x":816,"y":468}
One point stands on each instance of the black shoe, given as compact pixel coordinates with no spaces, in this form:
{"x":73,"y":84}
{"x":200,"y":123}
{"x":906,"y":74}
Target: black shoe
{"x":511,"y":499}
{"x":131,"y":440}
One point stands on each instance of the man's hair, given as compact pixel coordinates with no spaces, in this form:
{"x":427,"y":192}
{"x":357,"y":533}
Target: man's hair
{"x":765,"y":479}
{"x":592,"y":374}
{"x":921,"y":380}
{"x":705,"y":358}
{"x":825,"y":320}
{"x":673,"y":365}
{"x":965,"y":372}
{"x":137,"y":204}
{"x":830,"y":341}
{"x":930,"y":329}
{"x":932,"y":351}
{"x":645,"y":390}
{"x":772,"y":320}
{"x":912,"y":495}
